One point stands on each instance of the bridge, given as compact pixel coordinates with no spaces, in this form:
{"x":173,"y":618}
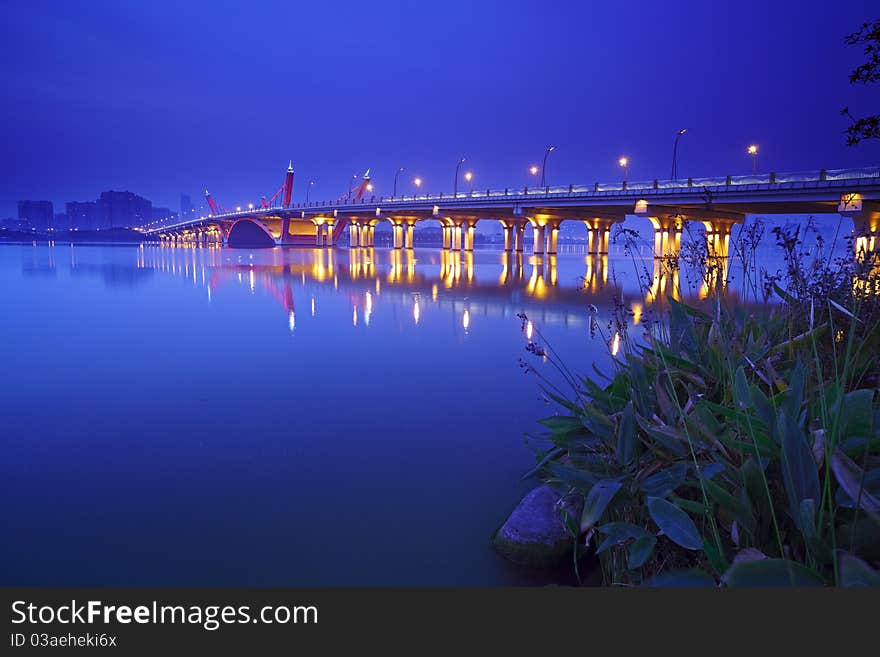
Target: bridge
{"x":716,"y":203}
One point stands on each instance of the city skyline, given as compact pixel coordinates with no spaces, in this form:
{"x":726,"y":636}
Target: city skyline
{"x":226,"y":108}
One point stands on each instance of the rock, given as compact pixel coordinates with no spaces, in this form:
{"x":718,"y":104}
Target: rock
{"x":535,"y":533}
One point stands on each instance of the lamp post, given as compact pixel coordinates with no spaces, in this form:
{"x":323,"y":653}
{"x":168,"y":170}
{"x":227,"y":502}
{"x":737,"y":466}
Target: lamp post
{"x":753,"y":151}
{"x":455,"y":185}
{"x":534,"y":171}
{"x":396,"y":173}
{"x":469,"y":177}
{"x":625,"y":164}
{"x":675,"y":153}
{"x":418,"y":183}
{"x":308,"y":189}
{"x":549,"y":150}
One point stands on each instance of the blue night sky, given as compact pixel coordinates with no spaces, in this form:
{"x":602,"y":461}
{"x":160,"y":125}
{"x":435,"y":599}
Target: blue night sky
{"x":161,"y":97}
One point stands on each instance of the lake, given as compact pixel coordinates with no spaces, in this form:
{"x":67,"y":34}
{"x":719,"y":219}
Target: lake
{"x":288,"y":417}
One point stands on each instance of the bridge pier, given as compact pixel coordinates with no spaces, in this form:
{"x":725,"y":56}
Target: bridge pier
{"x":508,"y":238}
{"x":447,"y":236}
{"x":718,"y":236}
{"x":553,"y":237}
{"x":469,"y":230}
{"x":667,"y":236}
{"x":519,"y":231}
{"x":456,"y":237}
{"x":409,"y":238}
{"x":538,"y":239}
{"x":865,"y":215}
{"x":329,"y":228}
{"x":598,"y":235}
{"x":354,"y":234}
{"x":397,"y":235}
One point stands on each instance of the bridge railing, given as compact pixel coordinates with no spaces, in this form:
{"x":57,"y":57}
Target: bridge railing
{"x":816,"y":178}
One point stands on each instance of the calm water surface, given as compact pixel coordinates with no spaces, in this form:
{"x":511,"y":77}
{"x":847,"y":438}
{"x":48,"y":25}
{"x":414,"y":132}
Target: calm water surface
{"x":207,"y":416}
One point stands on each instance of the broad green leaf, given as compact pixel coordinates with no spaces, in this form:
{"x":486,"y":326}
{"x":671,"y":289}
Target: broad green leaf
{"x":597,"y":501}
{"x":661,"y":483}
{"x":799,"y":475}
{"x":871,"y":484}
{"x":741,"y":393}
{"x":849,"y":476}
{"x":675,"y":523}
{"x":579,"y":479}
{"x":689,"y":505}
{"x":857,"y":413}
{"x":716,"y":559}
{"x":562,"y":423}
{"x":618,"y":532}
{"x":794,"y":396}
{"x":855,"y":572}
{"x":627,"y":442}
{"x":771,"y":573}
{"x":737,"y":510}
{"x":709,"y":470}
{"x":640,"y":551}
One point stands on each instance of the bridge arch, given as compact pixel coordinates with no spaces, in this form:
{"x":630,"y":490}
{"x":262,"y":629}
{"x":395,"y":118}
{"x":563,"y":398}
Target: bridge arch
{"x":249,"y":233}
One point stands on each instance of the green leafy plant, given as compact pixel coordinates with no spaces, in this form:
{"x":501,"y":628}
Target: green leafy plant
{"x":734,"y":444}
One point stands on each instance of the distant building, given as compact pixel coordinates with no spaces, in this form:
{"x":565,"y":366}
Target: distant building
{"x":59,"y":221}
{"x":160,"y":214}
{"x":35,"y":215}
{"x":124,"y":210}
{"x":187,"y":209}
{"x":84,"y":215}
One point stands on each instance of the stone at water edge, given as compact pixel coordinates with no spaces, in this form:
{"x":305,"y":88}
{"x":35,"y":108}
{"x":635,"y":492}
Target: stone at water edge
{"x":535,"y":533}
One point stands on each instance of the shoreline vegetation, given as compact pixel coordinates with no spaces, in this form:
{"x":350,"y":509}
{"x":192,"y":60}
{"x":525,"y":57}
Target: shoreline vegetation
{"x":731,"y":444}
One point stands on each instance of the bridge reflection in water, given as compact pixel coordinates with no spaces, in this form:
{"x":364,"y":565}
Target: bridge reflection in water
{"x":550,"y":289}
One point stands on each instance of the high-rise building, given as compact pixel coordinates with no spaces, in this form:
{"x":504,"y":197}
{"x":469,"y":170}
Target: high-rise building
{"x":35,"y":215}
{"x":84,"y":215}
{"x":124,"y":210}
{"x":160,"y":214}
{"x":187,"y":209}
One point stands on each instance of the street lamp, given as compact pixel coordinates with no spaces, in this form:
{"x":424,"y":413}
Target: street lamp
{"x":625,"y":164}
{"x":369,"y":187}
{"x":753,"y":151}
{"x":354,"y":177}
{"x":534,"y":171}
{"x":308,"y":189}
{"x":469,"y":177}
{"x":455,"y":185}
{"x":549,"y":150}
{"x":675,"y":153}
{"x":250,"y":206}
{"x":418,"y":183}
{"x":396,"y":173}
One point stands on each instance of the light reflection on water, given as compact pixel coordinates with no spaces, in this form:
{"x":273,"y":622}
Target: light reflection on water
{"x":288,"y":416}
